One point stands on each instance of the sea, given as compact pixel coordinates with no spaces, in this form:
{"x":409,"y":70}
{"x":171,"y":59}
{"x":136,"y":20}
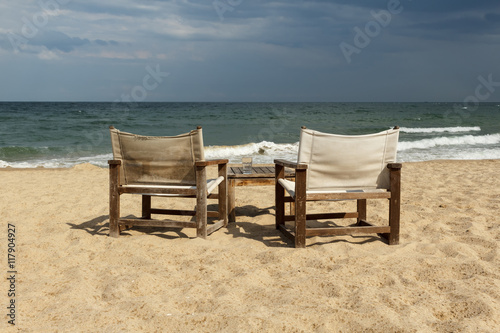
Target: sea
{"x":64,"y":134}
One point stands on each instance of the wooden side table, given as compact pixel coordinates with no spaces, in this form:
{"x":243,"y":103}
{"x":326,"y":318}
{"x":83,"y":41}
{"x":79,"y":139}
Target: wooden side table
{"x":261,"y":175}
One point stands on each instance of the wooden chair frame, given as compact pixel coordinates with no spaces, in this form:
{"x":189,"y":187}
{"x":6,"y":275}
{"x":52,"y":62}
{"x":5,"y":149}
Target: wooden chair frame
{"x":301,"y":230}
{"x":117,"y":224}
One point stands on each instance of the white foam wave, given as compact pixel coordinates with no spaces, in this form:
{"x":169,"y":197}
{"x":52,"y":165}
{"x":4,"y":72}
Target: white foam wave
{"x":489,"y":139}
{"x":262,"y":152}
{"x":448,"y":154}
{"x":457,"y":147}
{"x":440,"y":129}
{"x":63,"y":162}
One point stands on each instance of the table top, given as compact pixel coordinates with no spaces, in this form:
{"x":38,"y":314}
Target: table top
{"x":258,"y":171}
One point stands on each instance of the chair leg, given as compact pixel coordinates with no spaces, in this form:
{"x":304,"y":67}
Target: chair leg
{"x":114,"y":213}
{"x":300,"y":209}
{"x":222,"y":194}
{"x":394,"y":211}
{"x":300,"y":225}
{"x":146,"y":207}
{"x":231,"y":200}
{"x":222,"y":206}
{"x":279,"y":197}
{"x":114,"y":200}
{"x":395,"y":205}
{"x":201,"y":202}
{"x":361,"y":208}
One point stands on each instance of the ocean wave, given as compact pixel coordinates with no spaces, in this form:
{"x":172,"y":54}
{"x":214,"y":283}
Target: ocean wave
{"x":13,"y":152}
{"x":440,"y":129}
{"x":457,"y":147}
{"x":448,"y":154}
{"x":262,"y":152}
{"x":489,"y":139}
{"x":60,"y":162}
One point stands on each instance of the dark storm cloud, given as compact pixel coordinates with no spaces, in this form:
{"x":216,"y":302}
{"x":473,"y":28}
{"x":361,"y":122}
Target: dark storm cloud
{"x":257,"y":49}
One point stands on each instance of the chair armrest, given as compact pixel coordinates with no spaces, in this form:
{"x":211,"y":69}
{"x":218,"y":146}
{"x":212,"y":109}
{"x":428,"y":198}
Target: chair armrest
{"x":114,"y":162}
{"x":394,"y":165}
{"x":211,"y":162}
{"x":289,"y":164}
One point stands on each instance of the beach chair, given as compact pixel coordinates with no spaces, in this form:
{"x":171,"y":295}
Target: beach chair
{"x":166,"y":166}
{"x":340,"y":167}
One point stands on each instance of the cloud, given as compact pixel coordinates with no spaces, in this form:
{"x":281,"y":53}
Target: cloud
{"x":54,"y":40}
{"x":460,"y":25}
{"x":492,"y":17}
{"x":48,"y":55}
{"x":101,"y":42}
{"x":124,"y":8}
{"x":427,"y":6}
{"x":48,"y":40}
{"x":260,"y":49}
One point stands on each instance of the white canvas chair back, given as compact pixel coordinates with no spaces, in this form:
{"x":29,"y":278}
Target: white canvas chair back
{"x":341,"y":162}
{"x":166,"y":160}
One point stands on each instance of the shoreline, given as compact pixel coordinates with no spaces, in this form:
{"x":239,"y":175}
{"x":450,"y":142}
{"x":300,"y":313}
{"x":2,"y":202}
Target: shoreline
{"x":87,"y":165}
{"x":443,"y":276}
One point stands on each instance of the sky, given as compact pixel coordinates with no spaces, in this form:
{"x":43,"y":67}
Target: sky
{"x":250,"y":50}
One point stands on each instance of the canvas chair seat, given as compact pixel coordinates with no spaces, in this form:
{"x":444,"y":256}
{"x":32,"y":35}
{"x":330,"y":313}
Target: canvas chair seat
{"x":211,"y":186}
{"x":333,"y":167}
{"x":289,"y":186}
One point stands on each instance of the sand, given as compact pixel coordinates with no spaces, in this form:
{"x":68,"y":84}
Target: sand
{"x":71,"y":277}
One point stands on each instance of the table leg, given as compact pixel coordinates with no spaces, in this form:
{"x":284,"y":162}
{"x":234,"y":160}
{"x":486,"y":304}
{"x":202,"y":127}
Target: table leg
{"x":231,"y":201}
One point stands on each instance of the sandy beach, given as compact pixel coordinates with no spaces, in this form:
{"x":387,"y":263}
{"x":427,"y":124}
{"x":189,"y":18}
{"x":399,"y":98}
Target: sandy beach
{"x":444,"y":276}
